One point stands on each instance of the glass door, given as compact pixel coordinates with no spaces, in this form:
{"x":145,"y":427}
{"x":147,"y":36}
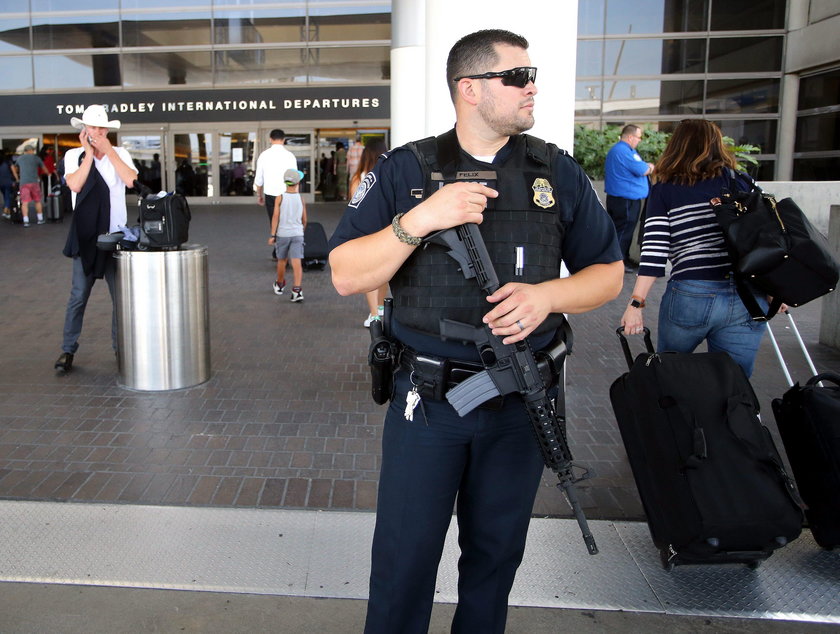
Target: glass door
{"x":300,"y":144}
{"x":147,"y":152}
{"x":237,"y":163}
{"x":193,"y":152}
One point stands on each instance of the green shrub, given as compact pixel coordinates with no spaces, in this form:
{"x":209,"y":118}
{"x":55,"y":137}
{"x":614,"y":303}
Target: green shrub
{"x":592,"y":145}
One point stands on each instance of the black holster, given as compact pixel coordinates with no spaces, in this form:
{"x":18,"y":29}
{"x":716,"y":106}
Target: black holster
{"x":381,"y":356}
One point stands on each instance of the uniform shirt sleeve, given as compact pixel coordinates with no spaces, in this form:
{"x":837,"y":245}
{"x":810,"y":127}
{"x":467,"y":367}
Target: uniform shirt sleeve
{"x":386,"y":191}
{"x":590,"y":233}
{"x":634,"y":163}
{"x":656,"y":244}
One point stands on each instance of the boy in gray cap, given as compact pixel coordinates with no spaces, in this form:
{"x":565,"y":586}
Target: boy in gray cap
{"x":287,"y":225}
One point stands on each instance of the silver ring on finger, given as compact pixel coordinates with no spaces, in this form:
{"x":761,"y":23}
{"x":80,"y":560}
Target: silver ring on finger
{"x":521,"y":327}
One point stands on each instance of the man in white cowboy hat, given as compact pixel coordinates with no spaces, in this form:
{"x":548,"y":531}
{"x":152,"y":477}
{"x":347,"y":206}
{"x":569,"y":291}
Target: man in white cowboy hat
{"x":97,"y":174}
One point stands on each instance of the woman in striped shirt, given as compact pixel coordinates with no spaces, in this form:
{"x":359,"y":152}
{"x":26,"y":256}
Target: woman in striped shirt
{"x":700,"y":300}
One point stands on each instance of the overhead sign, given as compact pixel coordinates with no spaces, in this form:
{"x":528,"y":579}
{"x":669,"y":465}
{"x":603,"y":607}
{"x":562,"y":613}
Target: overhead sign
{"x":196,"y":106}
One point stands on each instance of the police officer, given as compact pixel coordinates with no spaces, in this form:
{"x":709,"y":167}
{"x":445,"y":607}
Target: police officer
{"x":486,"y":463}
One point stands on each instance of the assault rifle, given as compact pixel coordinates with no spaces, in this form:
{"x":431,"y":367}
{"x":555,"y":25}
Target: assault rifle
{"x":509,"y":368}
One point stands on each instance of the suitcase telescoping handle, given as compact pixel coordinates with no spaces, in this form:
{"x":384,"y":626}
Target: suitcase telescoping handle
{"x":778,"y":351}
{"x":824,"y":376}
{"x":626,"y":346}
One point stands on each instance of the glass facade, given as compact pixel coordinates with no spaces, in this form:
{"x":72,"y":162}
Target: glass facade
{"x":650,"y":62}
{"x":655,"y":62}
{"x":816,"y":154}
{"x":46,"y":46}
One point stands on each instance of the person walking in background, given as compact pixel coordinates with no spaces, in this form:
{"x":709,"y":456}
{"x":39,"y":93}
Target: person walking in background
{"x":700,"y":300}
{"x":25,"y":169}
{"x":272,"y":164}
{"x":7,"y":179}
{"x":340,"y":171}
{"x":288,"y":223}
{"x":626,"y":185}
{"x":354,"y":155}
{"x":370,"y":154}
{"x":97,"y":174}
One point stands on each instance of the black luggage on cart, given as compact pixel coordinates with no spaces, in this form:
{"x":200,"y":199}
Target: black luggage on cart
{"x":164,"y":222}
{"x":54,"y":207}
{"x":808,"y":418}
{"x":315,"y":249}
{"x":711,"y":481}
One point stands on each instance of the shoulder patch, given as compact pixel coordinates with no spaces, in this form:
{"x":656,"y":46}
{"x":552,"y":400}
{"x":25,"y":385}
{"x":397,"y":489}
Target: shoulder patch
{"x":361,"y":191}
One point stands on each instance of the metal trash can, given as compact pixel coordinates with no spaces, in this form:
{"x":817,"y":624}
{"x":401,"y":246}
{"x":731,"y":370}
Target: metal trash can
{"x":163,"y":325}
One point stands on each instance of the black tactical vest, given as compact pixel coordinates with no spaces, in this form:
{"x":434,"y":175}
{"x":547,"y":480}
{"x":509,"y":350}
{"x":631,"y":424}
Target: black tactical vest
{"x":523,"y":220}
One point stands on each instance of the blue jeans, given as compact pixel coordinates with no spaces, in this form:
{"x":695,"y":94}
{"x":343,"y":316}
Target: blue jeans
{"x":79,"y":294}
{"x":694,"y":310}
{"x":487,"y":463}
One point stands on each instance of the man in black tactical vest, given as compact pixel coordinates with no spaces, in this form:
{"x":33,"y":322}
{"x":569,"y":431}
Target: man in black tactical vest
{"x":535,"y":207}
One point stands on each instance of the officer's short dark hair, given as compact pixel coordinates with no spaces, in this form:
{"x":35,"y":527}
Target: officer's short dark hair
{"x":277,"y":135}
{"x":475,"y":53}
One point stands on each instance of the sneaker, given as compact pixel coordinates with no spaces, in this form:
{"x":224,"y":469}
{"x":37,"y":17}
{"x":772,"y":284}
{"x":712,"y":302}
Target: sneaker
{"x":42,"y":222}
{"x":278,"y":288}
{"x":64,"y":363}
{"x":369,"y":319}
{"x":26,"y":224}
{"x":297,"y":295}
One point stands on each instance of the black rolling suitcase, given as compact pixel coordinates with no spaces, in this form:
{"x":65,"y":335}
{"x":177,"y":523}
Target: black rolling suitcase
{"x":54,"y":207}
{"x":315,"y":249}
{"x":808,"y":417}
{"x":15,"y":208}
{"x":711,"y":481}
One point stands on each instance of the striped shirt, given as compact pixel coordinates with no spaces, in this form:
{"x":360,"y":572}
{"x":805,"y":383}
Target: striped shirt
{"x":680,"y":226}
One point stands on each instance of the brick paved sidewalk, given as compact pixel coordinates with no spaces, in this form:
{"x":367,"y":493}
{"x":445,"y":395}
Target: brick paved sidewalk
{"x":286,"y":419}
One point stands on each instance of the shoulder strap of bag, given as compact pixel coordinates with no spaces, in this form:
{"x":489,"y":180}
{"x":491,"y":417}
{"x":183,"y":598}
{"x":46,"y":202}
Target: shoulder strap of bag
{"x":744,"y":291}
{"x":748,"y":298}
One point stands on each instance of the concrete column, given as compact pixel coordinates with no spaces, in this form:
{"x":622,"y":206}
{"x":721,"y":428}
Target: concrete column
{"x":408,"y":71}
{"x":787,"y":127}
{"x":830,"y":321}
{"x":550,"y":26}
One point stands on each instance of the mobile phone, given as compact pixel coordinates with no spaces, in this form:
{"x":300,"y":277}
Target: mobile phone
{"x":90,"y":139}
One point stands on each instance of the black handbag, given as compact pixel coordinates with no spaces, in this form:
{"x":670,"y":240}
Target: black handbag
{"x":774,"y":248}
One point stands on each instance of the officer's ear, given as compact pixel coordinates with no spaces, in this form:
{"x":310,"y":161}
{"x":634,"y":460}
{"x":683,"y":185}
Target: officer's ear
{"x":469,"y":90}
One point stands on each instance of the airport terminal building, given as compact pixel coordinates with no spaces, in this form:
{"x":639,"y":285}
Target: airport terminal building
{"x":198,"y":84}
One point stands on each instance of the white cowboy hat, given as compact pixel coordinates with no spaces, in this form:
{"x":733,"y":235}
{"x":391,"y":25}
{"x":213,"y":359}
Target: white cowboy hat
{"x":95,"y":115}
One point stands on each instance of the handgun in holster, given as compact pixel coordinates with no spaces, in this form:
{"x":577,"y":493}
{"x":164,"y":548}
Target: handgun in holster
{"x":381,"y":356}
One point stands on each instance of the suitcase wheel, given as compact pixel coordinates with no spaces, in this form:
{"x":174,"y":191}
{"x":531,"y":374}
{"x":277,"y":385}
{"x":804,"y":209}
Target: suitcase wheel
{"x":666,"y":559}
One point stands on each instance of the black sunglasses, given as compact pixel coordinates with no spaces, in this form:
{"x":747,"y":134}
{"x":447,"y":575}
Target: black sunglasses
{"x":518,"y":77}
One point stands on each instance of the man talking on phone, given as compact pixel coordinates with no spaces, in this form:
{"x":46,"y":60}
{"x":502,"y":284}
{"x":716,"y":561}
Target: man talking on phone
{"x":97,"y":174}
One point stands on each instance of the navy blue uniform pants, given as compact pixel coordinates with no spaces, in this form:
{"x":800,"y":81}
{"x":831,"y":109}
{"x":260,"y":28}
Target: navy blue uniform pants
{"x":625,"y":214}
{"x":488,"y":466}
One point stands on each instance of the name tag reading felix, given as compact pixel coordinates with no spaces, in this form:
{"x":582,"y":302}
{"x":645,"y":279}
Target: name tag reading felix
{"x":487,"y":178}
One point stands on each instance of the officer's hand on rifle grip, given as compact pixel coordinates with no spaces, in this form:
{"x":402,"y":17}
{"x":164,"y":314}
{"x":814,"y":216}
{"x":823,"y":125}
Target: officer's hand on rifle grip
{"x":450,"y":206}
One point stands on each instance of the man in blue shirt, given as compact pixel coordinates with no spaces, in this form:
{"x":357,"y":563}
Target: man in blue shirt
{"x":531,"y":213}
{"x":626,"y":184}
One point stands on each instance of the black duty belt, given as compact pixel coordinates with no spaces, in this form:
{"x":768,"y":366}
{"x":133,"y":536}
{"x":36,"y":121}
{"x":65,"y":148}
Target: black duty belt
{"x":434,"y":376}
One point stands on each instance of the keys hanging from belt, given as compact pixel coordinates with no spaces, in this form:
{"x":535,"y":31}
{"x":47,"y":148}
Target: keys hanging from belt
{"x":412,"y":400}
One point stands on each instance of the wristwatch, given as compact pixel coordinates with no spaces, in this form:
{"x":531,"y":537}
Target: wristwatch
{"x":637,"y":302}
